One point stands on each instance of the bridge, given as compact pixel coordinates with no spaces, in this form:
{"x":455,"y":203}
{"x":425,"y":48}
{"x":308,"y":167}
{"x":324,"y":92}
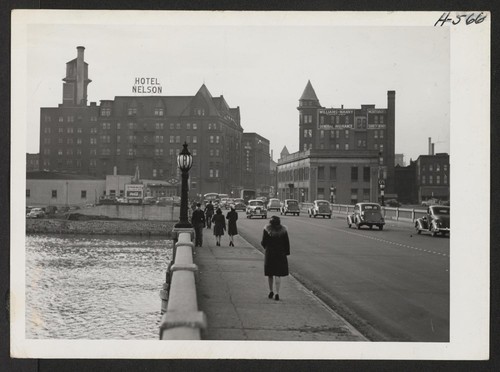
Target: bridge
{"x":345,"y":284}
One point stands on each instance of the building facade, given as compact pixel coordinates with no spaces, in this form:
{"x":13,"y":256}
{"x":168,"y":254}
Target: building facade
{"x":148,"y":132}
{"x":32,"y":162}
{"x":256,"y":171}
{"x":348,"y":177}
{"x":361,"y":130}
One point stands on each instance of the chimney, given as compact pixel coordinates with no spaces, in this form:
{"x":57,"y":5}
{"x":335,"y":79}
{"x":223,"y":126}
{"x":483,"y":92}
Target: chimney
{"x":432,"y":153}
{"x":429,"y":151}
{"x":342,"y":106}
{"x":115,"y":171}
{"x":80,"y":75}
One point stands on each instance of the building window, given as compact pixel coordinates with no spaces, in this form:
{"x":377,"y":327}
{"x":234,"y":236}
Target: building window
{"x":61,"y":130}
{"x":46,"y":141}
{"x":83,"y":194}
{"x":118,"y":152}
{"x":61,"y":119}
{"x":28,"y":193}
{"x":171,"y":139}
{"x":445,"y":167}
{"x":321,"y":173}
{"x":54,"y":194}
{"x":321,"y":133}
{"x":430,"y":168}
{"x":195,"y":139}
{"x":333,"y":173}
{"x":366,"y":195}
{"x":430,"y":180}
{"x":158,"y":111}
{"x":381,"y":121}
{"x":118,"y":126}
{"x":105,"y":111}
{"x":178,"y":126}
{"x":347,"y":133}
{"x":375,"y":134}
{"x":354,"y":174}
{"x":438,"y":180}
{"x":217,"y":138}
{"x":354,"y":196}
{"x":195,"y":126}
{"x":381,"y":134}
{"x":366,"y":174}
{"x":337,"y":146}
{"x":211,"y":139}
{"x":188,"y":126}
{"x":346,"y":147}
{"x":177,"y":139}
{"x":194,"y":151}
{"x":188,"y":139}
{"x":211,"y":173}
{"x":154,"y":172}
{"x":423,"y":180}
{"x":381,"y":148}
{"x":438,"y":168}
{"x":131,"y":111}
{"x":211,"y":152}
{"x":445,"y":179}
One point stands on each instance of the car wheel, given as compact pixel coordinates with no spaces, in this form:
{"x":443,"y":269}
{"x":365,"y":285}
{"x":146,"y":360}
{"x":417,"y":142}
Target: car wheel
{"x":371,"y":227}
{"x":330,"y":216}
{"x":298,"y":214}
{"x":380,"y":227}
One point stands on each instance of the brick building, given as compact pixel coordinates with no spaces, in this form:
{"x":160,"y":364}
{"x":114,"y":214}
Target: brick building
{"x":148,"y":131}
{"x":256,"y":173}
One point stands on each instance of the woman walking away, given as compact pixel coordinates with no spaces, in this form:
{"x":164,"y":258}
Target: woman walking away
{"x":277,"y":245}
{"x":219,"y":225}
{"x":232,"y":229}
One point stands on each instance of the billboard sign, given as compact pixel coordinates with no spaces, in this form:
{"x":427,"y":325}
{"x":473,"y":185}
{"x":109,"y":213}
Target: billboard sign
{"x":335,"y":119}
{"x":134,"y":191}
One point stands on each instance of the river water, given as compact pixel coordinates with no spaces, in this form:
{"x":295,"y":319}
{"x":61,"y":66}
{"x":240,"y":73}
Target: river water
{"x":94,"y":287}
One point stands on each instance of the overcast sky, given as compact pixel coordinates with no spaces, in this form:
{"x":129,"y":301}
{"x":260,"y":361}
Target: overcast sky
{"x":261,"y":69}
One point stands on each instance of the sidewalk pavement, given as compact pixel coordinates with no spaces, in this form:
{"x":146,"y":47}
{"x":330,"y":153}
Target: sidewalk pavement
{"x":232,"y":291}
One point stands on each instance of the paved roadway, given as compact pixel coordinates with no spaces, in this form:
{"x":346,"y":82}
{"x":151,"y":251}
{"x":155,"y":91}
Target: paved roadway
{"x":392,"y":285}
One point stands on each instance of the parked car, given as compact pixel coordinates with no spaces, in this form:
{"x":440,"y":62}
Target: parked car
{"x":107,"y":199}
{"x":429,"y":202}
{"x":437,"y":220}
{"x":256,"y":208}
{"x":274,"y":204}
{"x":239,"y":204}
{"x":368,"y":214}
{"x":121,"y":200}
{"x":149,"y":200}
{"x":290,"y":206}
{"x":36,"y":213}
{"x":320,"y":208}
{"x":392,"y":203}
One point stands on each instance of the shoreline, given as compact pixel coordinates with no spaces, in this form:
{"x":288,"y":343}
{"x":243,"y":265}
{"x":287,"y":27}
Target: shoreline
{"x":100,"y":227}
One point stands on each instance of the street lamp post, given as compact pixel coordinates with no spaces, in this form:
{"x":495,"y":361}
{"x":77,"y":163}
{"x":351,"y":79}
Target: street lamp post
{"x":184,"y":162}
{"x":381,"y":180}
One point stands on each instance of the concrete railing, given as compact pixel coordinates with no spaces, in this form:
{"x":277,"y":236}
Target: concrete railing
{"x":181,"y":319}
{"x":390,"y":213}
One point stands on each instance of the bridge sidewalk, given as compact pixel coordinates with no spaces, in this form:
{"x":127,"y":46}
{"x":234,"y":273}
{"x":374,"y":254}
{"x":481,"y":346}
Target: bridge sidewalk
{"x":232,"y":291}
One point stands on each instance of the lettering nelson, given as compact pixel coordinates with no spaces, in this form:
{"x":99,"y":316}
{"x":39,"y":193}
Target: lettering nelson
{"x":146,"y":85}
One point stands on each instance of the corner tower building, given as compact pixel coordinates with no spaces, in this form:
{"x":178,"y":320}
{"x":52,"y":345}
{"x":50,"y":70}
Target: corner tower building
{"x":336,"y":130}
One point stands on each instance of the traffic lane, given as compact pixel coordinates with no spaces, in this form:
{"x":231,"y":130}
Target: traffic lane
{"x":388,"y":291}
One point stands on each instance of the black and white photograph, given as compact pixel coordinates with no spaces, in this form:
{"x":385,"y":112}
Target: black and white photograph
{"x":256,"y":185}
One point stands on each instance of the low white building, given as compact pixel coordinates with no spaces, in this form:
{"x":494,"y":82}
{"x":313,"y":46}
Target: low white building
{"x":62,"y":189}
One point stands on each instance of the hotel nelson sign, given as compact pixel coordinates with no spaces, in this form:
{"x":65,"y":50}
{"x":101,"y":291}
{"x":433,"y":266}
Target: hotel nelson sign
{"x":148,"y":85}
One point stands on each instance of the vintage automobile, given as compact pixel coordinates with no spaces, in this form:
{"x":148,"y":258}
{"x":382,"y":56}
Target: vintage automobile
{"x":368,"y":214}
{"x":256,"y":208}
{"x":36,"y":213}
{"x":437,"y":220}
{"x":320,"y":208}
{"x":239,"y":204}
{"x":274,"y":204}
{"x":290,"y":206}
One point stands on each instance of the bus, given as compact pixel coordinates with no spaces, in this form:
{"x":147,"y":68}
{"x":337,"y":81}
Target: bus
{"x":213,"y":196}
{"x":247,"y":194}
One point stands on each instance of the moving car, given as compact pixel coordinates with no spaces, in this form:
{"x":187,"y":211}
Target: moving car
{"x":320,"y":208}
{"x":274,"y":204}
{"x":36,"y":213}
{"x":437,"y":220}
{"x":428,"y":203}
{"x":239,"y":204}
{"x":290,"y":206}
{"x":256,"y":208}
{"x":368,"y":214}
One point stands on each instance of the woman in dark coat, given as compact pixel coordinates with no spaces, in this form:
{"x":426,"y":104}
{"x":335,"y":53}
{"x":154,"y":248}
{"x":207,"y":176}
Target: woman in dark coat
{"x":277,"y":245}
{"x":232,"y":229}
{"x":219,"y":225}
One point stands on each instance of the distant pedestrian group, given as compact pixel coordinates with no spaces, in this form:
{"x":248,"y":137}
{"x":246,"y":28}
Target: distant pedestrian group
{"x":201,"y":219}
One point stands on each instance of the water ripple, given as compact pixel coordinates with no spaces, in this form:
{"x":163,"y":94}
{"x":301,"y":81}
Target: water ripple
{"x":82,"y":287}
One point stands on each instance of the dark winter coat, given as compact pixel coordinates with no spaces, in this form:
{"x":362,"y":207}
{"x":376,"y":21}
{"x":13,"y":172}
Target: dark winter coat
{"x":275,"y":242}
{"x":232,"y":217}
{"x":198,"y":218}
{"x":219,"y":224}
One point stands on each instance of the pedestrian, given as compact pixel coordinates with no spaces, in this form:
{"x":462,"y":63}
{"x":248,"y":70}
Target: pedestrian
{"x":232,"y":229}
{"x":209,"y":212}
{"x":219,"y":225}
{"x":277,"y":246}
{"x":198,"y":222}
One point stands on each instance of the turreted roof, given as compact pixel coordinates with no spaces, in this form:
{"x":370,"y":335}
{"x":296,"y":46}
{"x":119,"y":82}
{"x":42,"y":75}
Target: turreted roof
{"x":309,"y":93}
